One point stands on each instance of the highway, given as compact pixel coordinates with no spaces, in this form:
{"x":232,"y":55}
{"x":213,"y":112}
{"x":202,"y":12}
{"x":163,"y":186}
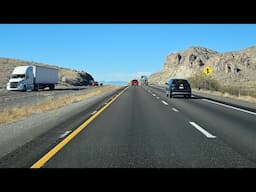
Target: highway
{"x":144,"y":129}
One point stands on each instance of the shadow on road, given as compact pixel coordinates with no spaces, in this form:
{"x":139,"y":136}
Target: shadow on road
{"x":182,"y":97}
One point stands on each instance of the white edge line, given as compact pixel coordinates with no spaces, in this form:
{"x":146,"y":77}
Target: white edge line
{"x":64,"y":134}
{"x":164,"y":102}
{"x":174,"y":109}
{"x":231,"y":107}
{"x":207,"y":134}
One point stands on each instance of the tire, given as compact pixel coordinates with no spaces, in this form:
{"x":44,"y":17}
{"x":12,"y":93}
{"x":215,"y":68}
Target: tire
{"x":35,"y":87}
{"x":25,"y":88}
{"x":51,"y":87}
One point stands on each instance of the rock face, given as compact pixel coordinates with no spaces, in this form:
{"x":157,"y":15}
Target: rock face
{"x":228,"y":68}
{"x":66,"y":76}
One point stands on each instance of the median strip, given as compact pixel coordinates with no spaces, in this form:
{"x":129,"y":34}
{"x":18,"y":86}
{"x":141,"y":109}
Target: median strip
{"x":207,"y":134}
{"x":10,"y":115}
{"x":41,"y":162}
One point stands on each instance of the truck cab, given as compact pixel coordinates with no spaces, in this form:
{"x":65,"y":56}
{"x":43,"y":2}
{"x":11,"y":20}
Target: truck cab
{"x":21,"y":79}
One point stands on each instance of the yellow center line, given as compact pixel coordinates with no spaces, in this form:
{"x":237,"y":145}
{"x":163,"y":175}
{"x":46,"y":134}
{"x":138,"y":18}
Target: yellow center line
{"x":59,"y":146}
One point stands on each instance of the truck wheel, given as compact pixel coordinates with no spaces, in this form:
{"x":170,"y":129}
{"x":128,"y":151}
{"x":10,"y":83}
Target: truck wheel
{"x":36,"y":87}
{"x":51,"y":87}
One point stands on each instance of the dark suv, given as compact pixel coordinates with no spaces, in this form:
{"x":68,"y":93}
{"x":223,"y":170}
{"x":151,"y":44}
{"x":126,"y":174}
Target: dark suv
{"x":178,"y":87}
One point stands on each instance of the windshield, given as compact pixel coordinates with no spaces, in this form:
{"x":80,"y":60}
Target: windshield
{"x":15,"y":76}
{"x":128,"y":95}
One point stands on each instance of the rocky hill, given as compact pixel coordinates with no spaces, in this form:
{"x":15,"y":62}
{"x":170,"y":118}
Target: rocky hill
{"x":229,"y":68}
{"x":67,"y":77}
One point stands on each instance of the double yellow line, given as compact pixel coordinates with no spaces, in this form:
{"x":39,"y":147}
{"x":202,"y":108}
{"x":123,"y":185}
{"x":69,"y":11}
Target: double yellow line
{"x":59,"y":146}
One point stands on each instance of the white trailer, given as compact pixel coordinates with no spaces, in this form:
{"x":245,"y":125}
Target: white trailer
{"x":32,"y":78}
{"x":144,"y":80}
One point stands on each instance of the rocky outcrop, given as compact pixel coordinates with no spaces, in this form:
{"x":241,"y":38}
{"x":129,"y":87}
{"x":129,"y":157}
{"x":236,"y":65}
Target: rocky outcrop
{"x":229,"y":67}
{"x":66,"y":76}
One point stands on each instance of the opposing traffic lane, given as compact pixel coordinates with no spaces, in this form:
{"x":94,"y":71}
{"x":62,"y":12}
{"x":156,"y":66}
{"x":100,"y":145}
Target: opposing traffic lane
{"x":143,"y":130}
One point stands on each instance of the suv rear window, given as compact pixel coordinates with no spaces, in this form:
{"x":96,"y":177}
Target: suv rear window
{"x":180,"y":81}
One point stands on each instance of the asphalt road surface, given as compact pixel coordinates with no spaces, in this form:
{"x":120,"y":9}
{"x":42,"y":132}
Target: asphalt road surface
{"x":143,"y":128}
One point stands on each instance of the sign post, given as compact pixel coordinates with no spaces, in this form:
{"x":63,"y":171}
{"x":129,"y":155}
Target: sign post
{"x":207,"y":71}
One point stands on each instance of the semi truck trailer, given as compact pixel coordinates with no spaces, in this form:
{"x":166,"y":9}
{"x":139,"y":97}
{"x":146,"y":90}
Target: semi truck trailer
{"x":25,"y":78}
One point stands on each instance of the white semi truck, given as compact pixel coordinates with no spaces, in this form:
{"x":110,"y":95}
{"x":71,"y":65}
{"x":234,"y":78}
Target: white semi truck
{"x":25,"y":78}
{"x":144,"y":80}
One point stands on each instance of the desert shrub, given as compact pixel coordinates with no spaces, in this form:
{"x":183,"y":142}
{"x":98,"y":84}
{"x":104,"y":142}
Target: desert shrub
{"x":200,"y":81}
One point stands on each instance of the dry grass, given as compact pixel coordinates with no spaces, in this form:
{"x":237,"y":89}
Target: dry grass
{"x":14,"y":114}
{"x":227,"y":95}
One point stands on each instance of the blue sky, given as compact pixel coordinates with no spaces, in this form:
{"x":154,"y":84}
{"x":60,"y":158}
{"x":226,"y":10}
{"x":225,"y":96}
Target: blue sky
{"x":113,"y":52}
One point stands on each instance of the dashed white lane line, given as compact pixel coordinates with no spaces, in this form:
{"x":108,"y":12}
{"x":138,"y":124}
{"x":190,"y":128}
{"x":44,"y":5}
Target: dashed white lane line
{"x":157,"y":97}
{"x":154,"y":95}
{"x":231,"y":107}
{"x":64,"y":134}
{"x":207,"y":134}
{"x":174,"y":109}
{"x":93,"y":112}
{"x":164,"y":102}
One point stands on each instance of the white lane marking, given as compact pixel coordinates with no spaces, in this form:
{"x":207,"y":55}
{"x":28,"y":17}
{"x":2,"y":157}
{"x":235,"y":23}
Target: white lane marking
{"x":231,"y":107}
{"x":154,"y":95}
{"x":193,"y":96}
{"x":176,"y":110}
{"x":164,"y":102}
{"x":207,"y":134}
{"x":93,"y":112}
{"x":65,"y":134}
{"x":157,"y":97}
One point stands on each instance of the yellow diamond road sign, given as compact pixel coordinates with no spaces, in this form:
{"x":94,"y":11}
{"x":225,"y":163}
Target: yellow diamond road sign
{"x":207,"y":70}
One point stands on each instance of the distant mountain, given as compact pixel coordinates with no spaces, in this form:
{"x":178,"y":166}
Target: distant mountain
{"x":67,"y":76}
{"x":234,"y":67}
{"x":114,"y":82}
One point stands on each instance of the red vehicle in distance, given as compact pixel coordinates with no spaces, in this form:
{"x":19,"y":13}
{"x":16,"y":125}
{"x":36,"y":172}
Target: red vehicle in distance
{"x":134,"y":82}
{"x":95,"y":84}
